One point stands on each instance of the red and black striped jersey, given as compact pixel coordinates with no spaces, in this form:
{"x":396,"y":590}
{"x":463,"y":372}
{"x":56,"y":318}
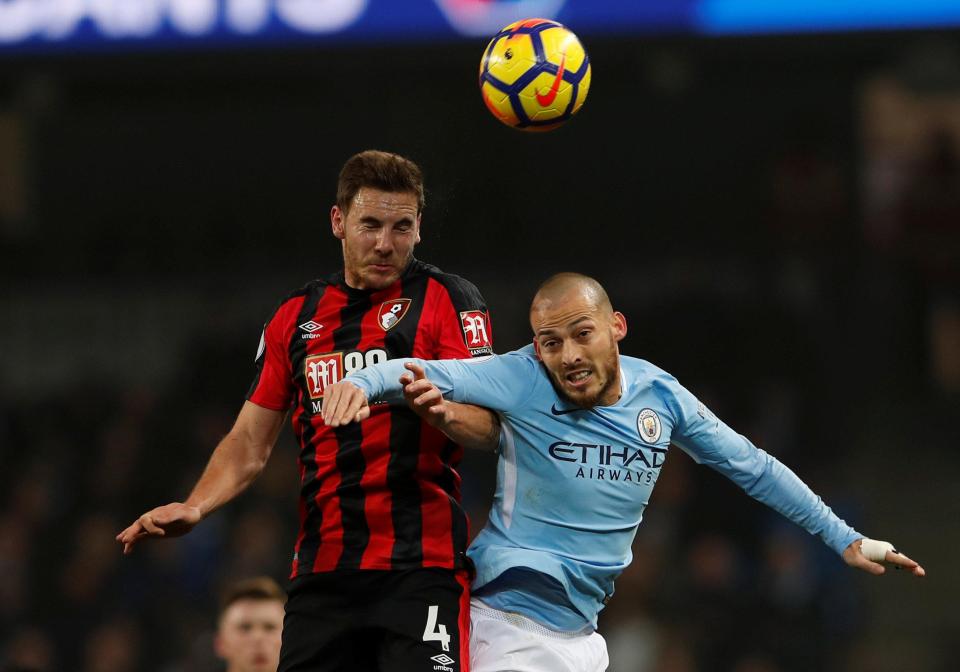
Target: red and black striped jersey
{"x":385,"y":493}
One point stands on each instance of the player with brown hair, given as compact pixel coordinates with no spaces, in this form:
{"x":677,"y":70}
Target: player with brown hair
{"x":379,"y":571}
{"x":250,"y":624}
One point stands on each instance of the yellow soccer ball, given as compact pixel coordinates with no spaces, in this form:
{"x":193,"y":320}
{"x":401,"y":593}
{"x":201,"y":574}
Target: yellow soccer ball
{"x":534,"y":75}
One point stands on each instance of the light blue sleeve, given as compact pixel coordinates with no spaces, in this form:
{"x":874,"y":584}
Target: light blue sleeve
{"x":498,"y":382}
{"x":711,"y":442}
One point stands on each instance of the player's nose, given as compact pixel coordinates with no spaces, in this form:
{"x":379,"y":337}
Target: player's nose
{"x":384,"y":244}
{"x":570,"y":355}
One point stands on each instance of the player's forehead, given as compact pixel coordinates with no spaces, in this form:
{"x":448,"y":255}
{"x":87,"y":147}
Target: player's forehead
{"x":383,"y":205}
{"x":562,"y":313}
{"x":250,"y":610}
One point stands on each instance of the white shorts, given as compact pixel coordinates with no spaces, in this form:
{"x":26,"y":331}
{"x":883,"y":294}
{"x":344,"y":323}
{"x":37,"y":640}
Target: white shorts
{"x":506,"y":642}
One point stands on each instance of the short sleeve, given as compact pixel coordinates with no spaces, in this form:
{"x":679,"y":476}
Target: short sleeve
{"x":462,"y":321}
{"x":498,"y":382}
{"x":272,"y":385}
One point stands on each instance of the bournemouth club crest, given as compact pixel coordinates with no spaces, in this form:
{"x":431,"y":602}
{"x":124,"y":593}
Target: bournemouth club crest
{"x":391,"y":312}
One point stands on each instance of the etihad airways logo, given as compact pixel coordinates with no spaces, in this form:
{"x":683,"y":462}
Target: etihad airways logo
{"x":600,"y":462}
{"x":604,"y":455}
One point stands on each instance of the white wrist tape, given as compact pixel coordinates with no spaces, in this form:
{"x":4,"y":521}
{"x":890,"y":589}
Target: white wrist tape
{"x":876,"y":550}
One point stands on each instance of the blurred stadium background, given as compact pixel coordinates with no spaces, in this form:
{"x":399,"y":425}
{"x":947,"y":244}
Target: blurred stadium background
{"x":771,"y":194}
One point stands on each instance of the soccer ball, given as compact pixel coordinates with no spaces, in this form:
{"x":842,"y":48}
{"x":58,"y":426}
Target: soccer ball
{"x":534,"y":75}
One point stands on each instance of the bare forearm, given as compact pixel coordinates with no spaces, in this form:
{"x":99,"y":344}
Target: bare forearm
{"x":238,"y":459}
{"x":471,"y":426}
{"x":233,"y":466}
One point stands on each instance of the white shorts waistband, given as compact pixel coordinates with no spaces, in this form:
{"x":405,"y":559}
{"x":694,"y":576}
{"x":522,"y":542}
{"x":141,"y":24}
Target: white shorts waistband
{"x":524,"y":623}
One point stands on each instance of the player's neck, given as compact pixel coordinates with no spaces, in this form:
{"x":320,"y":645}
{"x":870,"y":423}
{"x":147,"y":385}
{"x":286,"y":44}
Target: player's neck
{"x":612,"y":395}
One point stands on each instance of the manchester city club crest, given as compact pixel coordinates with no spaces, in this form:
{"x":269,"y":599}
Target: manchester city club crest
{"x":648,"y":424}
{"x":391,"y":312}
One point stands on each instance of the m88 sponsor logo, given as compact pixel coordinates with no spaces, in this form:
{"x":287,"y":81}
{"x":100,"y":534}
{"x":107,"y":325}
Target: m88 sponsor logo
{"x":322,"y":371}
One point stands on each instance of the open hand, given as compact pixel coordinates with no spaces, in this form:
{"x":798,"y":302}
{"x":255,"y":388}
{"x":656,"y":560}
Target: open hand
{"x":854,"y":557}
{"x":423,"y":397}
{"x":172,"y":520}
{"x":344,"y":403}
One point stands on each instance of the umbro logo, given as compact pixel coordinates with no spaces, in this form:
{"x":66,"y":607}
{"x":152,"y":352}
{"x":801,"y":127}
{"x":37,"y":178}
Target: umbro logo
{"x":311,"y":327}
{"x":443,"y":662}
{"x":558,"y":411}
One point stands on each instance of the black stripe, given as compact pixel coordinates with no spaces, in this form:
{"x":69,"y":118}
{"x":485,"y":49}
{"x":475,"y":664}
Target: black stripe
{"x":447,"y":481}
{"x":310,"y":484}
{"x":404,"y":488}
{"x":405,"y":428}
{"x":350,"y":462}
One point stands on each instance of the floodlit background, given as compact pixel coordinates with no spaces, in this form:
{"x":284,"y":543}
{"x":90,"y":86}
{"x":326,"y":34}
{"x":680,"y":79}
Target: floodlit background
{"x":770,"y":194}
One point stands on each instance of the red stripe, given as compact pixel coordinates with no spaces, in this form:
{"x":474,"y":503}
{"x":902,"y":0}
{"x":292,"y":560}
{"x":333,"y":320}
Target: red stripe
{"x":325,"y":443}
{"x":273,"y":389}
{"x":424,"y":346}
{"x":464,"y":621}
{"x":378,"y":500}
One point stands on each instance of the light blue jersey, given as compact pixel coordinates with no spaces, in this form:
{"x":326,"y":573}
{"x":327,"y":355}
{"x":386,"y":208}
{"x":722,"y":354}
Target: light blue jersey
{"x":572,"y":483}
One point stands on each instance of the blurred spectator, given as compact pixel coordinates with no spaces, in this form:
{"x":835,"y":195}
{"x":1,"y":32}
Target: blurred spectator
{"x":114,"y":647}
{"x":28,"y":650}
{"x":250,"y":626}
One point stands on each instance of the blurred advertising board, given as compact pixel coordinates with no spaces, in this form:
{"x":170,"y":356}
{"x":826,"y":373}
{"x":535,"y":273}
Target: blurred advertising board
{"x":70,"y":25}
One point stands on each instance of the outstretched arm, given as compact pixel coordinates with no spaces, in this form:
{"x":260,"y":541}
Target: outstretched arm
{"x":470,"y":426}
{"x":709,"y":441}
{"x":236,"y":461}
{"x":465,"y":424}
{"x":499,"y":382}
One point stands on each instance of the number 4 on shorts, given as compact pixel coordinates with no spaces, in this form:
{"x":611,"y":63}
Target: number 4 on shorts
{"x":433,"y":632}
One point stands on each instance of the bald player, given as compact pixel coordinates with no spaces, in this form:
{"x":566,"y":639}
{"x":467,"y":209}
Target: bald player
{"x":585,"y":433}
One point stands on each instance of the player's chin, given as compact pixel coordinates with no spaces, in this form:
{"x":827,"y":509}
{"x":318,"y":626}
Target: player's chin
{"x":377,"y":277}
{"x":584,"y":398}
{"x":261,"y":663}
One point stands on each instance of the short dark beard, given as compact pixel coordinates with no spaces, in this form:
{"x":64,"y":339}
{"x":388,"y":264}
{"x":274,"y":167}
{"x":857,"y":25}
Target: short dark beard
{"x":587,"y":403}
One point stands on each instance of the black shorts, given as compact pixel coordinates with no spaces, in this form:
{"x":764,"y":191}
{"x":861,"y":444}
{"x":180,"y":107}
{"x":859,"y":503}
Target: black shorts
{"x":415,"y":620}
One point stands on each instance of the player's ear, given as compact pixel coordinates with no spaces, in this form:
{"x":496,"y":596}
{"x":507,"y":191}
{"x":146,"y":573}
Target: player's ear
{"x":337,"y":224}
{"x":536,"y":349}
{"x":619,"y":325}
{"x":418,"y":229}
